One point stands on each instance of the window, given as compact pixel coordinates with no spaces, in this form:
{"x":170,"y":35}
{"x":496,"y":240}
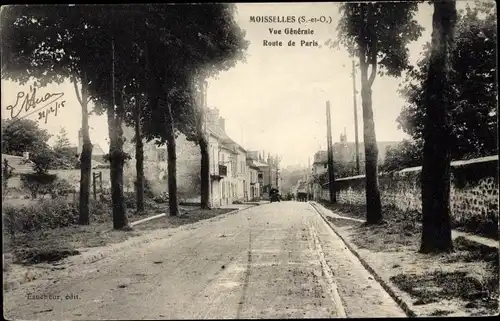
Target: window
{"x":324,"y":166}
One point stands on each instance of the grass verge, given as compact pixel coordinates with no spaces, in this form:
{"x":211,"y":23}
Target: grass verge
{"x":462,"y":283}
{"x":485,"y":226}
{"x":52,"y":245}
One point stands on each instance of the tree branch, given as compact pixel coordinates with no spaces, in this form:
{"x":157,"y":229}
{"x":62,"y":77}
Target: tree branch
{"x":78,"y":96}
{"x":373,"y":40}
{"x":361,"y":39}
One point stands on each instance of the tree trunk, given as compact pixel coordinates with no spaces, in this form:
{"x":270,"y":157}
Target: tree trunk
{"x":116,"y":155}
{"x":205,"y":157}
{"x":436,"y":222}
{"x":205,"y":174}
{"x":139,"y":159}
{"x":373,"y":204}
{"x":86,"y":155}
{"x":172,"y":164}
{"x":117,"y":161}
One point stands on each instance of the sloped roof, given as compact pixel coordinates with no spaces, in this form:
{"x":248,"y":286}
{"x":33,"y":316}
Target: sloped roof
{"x":18,"y":164}
{"x":97,"y":150}
{"x":231,"y":144}
{"x":321,"y":157}
{"x":256,"y":164}
{"x":253,"y":155}
{"x":96,"y":164}
{"x":217,"y":131}
{"x":226,"y":141}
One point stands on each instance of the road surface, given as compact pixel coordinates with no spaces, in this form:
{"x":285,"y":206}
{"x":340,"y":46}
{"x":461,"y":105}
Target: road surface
{"x":278,"y":260}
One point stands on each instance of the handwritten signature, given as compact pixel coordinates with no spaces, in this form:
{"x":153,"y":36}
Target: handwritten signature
{"x":28,"y":103}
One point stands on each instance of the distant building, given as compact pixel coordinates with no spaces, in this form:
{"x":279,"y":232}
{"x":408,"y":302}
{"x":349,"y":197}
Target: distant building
{"x":97,"y":152}
{"x":346,"y":151}
{"x":320,"y":162}
{"x":256,"y":176}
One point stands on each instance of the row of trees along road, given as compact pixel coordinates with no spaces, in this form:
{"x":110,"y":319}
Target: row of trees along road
{"x":451,"y":106}
{"x":139,"y":64}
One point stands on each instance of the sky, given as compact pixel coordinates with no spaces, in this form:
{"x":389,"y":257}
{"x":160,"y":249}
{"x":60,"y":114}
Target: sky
{"x":275,"y":101}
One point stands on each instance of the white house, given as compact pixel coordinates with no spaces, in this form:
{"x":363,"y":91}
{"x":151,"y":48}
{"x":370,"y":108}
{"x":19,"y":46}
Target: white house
{"x":229,"y":172}
{"x":255,"y":175}
{"x":217,"y":172}
{"x":227,"y":182}
{"x":241,"y":175}
{"x":238,"y":176}
{"x":253,"y":184}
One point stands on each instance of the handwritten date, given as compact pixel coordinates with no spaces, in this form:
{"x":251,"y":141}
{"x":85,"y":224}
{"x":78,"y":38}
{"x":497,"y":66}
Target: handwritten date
{"x":44,"y":114}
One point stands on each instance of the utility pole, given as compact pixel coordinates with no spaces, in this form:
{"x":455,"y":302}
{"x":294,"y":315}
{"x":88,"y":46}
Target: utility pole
{"x":331,"y":174}
{"x":355,"y":115}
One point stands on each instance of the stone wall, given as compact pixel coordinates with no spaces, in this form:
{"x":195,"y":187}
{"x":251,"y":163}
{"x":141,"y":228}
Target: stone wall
{"x":71,"y":175}
{"x":473,"y":193}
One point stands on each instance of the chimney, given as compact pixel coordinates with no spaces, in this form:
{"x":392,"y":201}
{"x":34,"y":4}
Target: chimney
{"x":26,"y":156}
{"x":222,"y":123}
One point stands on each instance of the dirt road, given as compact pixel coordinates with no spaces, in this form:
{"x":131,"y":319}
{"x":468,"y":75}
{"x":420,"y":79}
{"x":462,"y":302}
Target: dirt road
{"x":278,"y":260}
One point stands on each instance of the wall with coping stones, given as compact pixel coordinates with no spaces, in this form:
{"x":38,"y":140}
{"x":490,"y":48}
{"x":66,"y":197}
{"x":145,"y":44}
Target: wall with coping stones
{"x":473,"y":193}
